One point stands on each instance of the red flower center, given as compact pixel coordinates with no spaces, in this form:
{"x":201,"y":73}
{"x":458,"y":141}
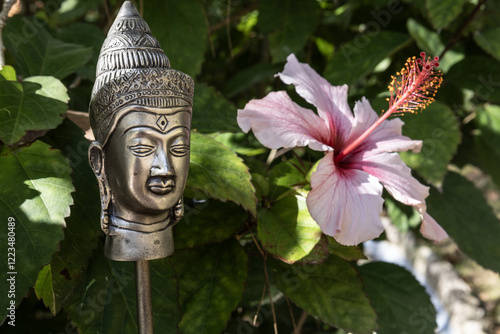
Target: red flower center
{"x":412,"y":89}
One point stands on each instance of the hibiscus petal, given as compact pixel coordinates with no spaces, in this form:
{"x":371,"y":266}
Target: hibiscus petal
{"x":397,"y":179}
{"x":386,"y":137}
{"x":331,"y":101}
{"x":395,"y":176}
{"x":278,"y":122}
{"x":364,"y":117}
{"x":346,"y":204}
{"x":431,"y":229}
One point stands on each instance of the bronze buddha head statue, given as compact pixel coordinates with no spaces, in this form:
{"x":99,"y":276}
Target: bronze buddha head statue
{"x":140,"y":113}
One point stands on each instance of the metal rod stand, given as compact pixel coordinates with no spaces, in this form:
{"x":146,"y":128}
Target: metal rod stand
{"x":144,"y":304}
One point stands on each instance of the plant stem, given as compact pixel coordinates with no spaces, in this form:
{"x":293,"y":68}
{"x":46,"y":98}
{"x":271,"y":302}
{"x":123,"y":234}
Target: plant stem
{"x":270,"y":297}
{"x":459,"y":32}
{"x":235,"y":17}
{"x":254,"y":323}
{"x":302,"y":320}
{"x":291,"y":314}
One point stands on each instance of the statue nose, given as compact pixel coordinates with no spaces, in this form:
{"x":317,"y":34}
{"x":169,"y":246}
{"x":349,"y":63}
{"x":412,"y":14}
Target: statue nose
{"x":162,"y":166}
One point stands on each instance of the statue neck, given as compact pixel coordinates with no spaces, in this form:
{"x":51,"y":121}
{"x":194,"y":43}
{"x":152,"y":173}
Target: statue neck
{"x":121,"y":223}
{"x":122,"y":213}
{"x":130,"y":241}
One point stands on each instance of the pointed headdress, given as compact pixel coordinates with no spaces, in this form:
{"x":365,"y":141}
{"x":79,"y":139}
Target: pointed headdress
{"x":133,"y":70}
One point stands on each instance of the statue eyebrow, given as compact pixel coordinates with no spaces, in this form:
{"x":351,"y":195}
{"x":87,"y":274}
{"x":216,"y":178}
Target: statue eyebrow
{"x":182,"y":138}
{"x":184,"y":129}
{"x":155,"y":131}
{"x":135,"y":127}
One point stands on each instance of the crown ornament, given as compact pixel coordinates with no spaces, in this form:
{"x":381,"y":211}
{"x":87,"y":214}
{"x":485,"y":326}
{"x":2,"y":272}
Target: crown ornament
{"x":133,"y":70}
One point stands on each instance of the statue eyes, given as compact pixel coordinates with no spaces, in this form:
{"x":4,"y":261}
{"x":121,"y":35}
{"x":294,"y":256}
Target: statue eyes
{"x":141,"y":150}
{"x":179,"y":150}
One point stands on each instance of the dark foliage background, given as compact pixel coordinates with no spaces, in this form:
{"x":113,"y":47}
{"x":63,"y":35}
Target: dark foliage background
{"x":246,"y":238}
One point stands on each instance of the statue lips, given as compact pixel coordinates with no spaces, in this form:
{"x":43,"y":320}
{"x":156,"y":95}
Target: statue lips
{"x":160,"y":185}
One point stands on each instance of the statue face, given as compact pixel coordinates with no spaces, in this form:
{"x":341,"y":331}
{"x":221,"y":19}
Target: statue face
{"x":147,"y":161}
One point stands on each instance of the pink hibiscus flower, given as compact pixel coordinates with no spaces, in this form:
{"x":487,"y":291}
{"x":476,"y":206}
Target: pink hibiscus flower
{"x":360,"y":148}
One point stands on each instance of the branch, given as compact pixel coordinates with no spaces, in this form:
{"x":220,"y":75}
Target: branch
{"x":459,"y":32}
{"x":275,"y":322}
{"x":7,"y":5}
{"x":301,"y":323}
{"x":233,"y":18}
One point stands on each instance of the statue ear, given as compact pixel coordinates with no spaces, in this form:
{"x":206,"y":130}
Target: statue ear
{"x":96,"y":158}
{"x":177,"y":212}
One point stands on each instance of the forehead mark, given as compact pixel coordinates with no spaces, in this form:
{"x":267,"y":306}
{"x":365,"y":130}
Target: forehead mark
{"x":162,"y":122}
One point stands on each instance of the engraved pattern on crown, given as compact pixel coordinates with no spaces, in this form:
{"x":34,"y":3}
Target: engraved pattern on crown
{"x":132,"y":40}
{"x":155,"y":86}
{"x":134,"y":24}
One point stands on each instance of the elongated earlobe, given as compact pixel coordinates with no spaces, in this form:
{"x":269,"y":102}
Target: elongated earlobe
{"x":96,"y":158}
{"x":97,"y":163}
{"x":177,"y":212}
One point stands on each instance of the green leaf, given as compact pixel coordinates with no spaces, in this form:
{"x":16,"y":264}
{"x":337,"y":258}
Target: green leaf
{"x":289,"y":22}
{"x":256,"y":281}
{"x":326,"y":48}
{"x":479,"y":74}
{"x":287,"y":230}
{"x":212,"y":112}
{"x":430,"y":42}
{"x":489,"y":14}
{"x":489,"y":41}
{"x":241,"y":143}
{"x":106,"y":301}
{"x":438,"y":128}
{"x":331,"y":291}
{"x":348,"y":253}
{"x":35,"y":193}
{"x":30,"y":107}
{"x":207,"y":222}
{"x":487,"y":140}
{"x":71,"y":10}
{"x":218,"y":172}
{"x":261,"y":185}
{"x":181,"y":29}
{"x":8,"y":73}
{"x":468,"y":149}
{"x":443,"y":12}
{"x":86,"y":34}
{"x":57,"y":280}
{"x":50,"y":87}
{"x":45,"y":288}
{"x":359,"y":57}
{"x":248,"y":78}
{"x":318,"y":254}
{"x":401,"y":303}
{"x":38,"y":53}
{"x":248,"y":22}
{"x":403,"y":217}
{"x":211,"y":283}
{"x":284,"y":176}
{"x":463,"y":212}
